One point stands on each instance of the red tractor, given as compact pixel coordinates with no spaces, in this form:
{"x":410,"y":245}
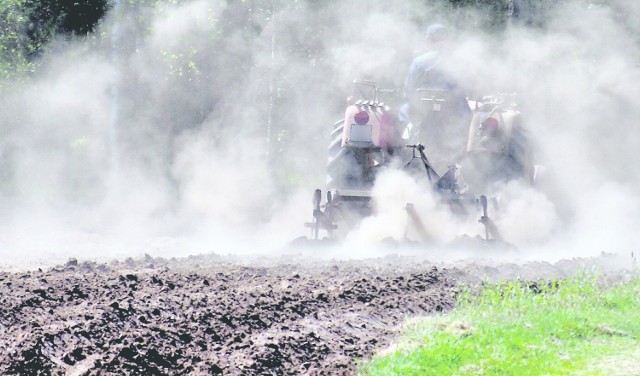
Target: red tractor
{"x":370,"y":136}
{"x":498,"y":147}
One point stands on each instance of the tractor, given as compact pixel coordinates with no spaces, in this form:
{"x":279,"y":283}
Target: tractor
{"x":371,"y":136}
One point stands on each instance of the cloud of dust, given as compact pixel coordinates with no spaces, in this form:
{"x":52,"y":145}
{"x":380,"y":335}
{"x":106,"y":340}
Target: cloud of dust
{"x":577,"y":86}
{"x":393,"y":190}
{"x":173,"y":132}
{"x":577,"y":83}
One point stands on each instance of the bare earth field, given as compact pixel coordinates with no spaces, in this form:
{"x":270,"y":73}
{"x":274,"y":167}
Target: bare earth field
{"x":222,"y":315}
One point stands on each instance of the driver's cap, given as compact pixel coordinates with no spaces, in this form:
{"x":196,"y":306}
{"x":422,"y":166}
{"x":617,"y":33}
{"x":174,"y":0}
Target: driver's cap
{"x":436,"y":32}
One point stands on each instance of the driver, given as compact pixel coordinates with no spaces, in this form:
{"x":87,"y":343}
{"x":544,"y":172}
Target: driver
{"x":436,"y":113}
{"x":423,"y":71}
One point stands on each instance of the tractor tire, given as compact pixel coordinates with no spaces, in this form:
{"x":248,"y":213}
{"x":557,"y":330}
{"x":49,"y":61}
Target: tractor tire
{"x":335,"y":155}
{"x":346,"y":167}
{"x":337,"y":129}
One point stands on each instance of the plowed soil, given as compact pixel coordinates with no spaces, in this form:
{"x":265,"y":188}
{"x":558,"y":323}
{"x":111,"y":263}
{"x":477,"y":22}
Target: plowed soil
{"x":219,"y":316}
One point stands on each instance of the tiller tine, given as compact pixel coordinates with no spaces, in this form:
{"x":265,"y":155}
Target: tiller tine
{"x":490,"y":228}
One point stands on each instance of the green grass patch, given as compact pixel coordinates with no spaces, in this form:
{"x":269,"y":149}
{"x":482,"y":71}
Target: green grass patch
{"x":572,"y":326}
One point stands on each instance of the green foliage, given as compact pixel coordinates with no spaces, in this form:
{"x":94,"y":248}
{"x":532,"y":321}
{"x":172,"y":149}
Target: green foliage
{"x":26,"y":26}
{"x":518,"y":329}
{"x":13,"y":59}
{"x":47,"y":18}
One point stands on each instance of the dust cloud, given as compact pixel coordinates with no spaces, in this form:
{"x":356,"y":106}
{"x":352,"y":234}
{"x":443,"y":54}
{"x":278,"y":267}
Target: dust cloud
{"x":577,"y":85}
{"x":174,"y":131}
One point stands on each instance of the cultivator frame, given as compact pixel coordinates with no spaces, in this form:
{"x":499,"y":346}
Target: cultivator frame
{"x":326,"y":216}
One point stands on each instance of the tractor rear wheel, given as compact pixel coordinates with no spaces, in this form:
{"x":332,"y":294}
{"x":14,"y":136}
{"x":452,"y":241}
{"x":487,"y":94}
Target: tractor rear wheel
{"x":335,"y":155}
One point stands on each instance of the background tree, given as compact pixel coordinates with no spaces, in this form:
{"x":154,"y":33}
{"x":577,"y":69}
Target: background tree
{"x":48,"y":18}
{"x":14,"y":61}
